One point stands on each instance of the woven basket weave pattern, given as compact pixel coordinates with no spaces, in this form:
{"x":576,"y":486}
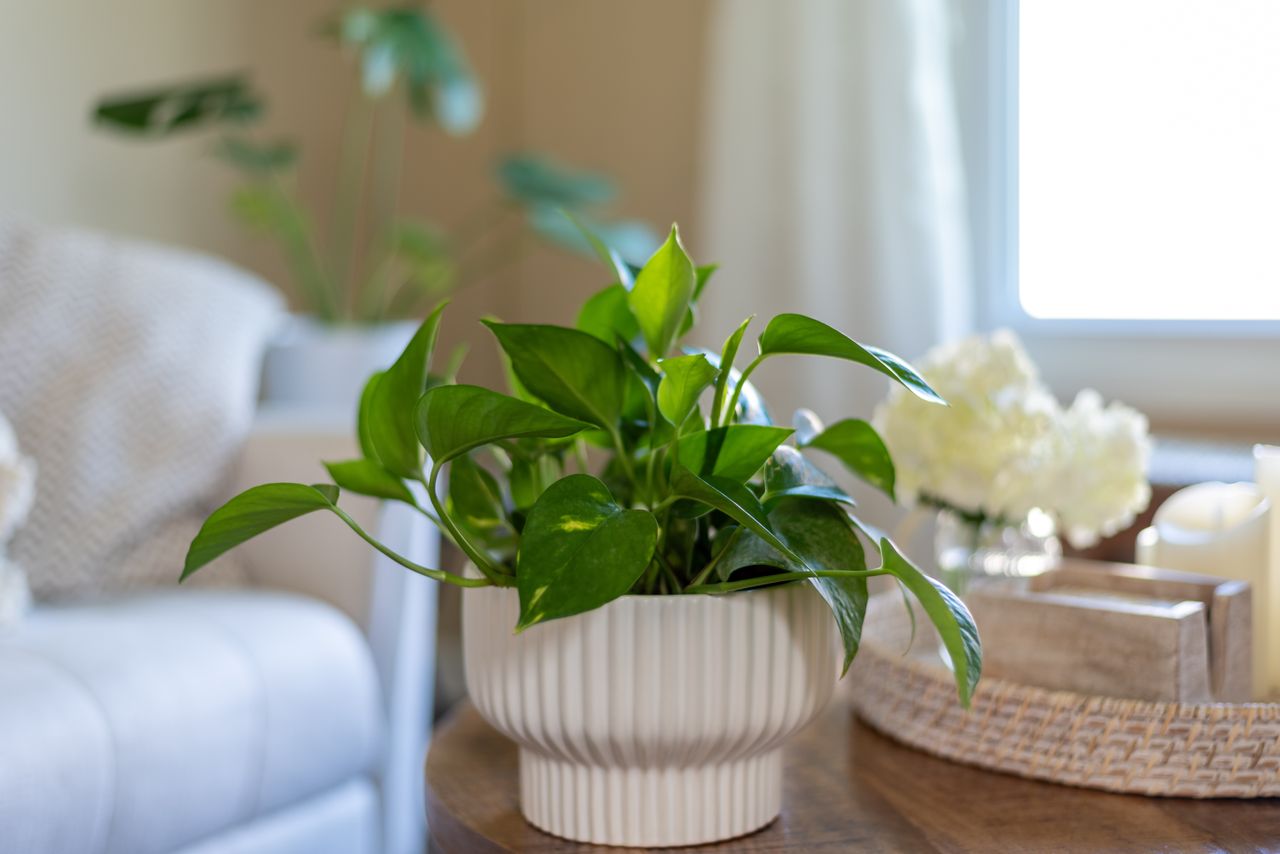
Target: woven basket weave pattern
{"x":1169,"y":749}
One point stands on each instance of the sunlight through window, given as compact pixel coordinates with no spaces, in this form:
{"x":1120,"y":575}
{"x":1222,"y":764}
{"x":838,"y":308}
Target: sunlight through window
{"x":1149,"y":159}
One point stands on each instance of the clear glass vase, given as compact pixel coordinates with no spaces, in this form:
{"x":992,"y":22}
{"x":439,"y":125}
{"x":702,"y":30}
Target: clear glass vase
{"x":974,"y":554}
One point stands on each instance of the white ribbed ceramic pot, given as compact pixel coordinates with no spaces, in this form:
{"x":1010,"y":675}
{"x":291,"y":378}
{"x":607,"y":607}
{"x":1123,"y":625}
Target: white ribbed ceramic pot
{"x":655,"y":720}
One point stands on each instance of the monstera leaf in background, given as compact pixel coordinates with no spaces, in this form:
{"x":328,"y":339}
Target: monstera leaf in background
{"x":410,"y":68}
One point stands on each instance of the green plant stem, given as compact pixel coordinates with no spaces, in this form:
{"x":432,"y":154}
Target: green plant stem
{"x":488,"y":568}
{"x":624,"y":459}
{"x":409,"y":293}
{"x":711,"y":564}
{"x":425,"y":512}
{"x":658,"y":565}
{"x":745,"y":584}
{"x":303,"y":258}
{"x":911,"y":613}
{"x":580,"y":456}
{"x":354,"y":155}
{"x":436,"y":574}
{"x":974,"y":519}
{"x":390,"y":163}
{"x":650,"y":476}
{"x":371,"y":301}
{"x":669,"y":574}
{"x":494,"y":261}
{"x":726,"y":417}
{"x":718,"y":401}
{"x":665,"y":504}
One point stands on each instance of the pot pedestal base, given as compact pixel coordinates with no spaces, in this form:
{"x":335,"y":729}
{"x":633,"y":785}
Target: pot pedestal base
{"x":650,"y":807}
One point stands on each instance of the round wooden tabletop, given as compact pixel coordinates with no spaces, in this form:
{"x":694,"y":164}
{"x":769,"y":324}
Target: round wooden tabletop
{"x":850,"y":789}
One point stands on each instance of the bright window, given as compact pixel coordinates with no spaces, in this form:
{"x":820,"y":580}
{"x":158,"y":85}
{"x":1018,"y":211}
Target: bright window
{"x":1148,"y":155}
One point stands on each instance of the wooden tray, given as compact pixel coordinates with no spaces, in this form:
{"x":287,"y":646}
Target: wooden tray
{"x":1195,"y":750}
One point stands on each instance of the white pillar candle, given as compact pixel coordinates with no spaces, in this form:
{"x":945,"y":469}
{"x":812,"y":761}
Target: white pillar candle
{"x":1221,"y":529}
{"x":1146,"y":547}
{"x":1266,"y":471}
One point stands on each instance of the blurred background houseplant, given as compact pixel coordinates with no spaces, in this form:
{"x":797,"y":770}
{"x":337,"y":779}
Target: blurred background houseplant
{"x":360,"y":271}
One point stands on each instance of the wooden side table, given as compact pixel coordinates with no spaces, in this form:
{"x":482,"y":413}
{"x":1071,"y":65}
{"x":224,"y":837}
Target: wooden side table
{"x":850,"y":789}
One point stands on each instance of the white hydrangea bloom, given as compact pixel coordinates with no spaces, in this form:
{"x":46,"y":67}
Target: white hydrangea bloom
{"x":1100,"y":481}
{"x":1005,"y":446}
{"x":980,"y":454}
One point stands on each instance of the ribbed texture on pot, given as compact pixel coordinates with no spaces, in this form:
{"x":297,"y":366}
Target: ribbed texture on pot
{"x":655,"y":720}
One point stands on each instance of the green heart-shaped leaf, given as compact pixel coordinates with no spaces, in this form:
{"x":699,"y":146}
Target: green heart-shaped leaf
{"x":735,"y":501}
{"x":745,"y":549}
{"x":735,"y":452}
{"x":454,"y":419}
{"x":475,"y":499}
{"x":641,"y":403}
{"x":795,"y":333}
{"x":662,"y":294}
{"x":947,"y":613}
{"x":857,"y":444}
{"x":608,"y":317}
{"x":684,"y":378}
{"x":366,"y":477}
{"x":727,"y":354}
{"x":575,"y":373}
{"x":392,"y":398}
{"x":821,"y":532}
{"x":251,"y":513}
{"x":579,"y":550}
{"x":788,"y":474}
{"x":364,"y":417}
{"x":529,"y":478}
{"x":702,"y":275}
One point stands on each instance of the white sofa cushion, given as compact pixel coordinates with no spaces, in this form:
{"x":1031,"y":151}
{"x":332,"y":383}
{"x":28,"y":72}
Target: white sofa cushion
{"x":343,"y":820}
{"x":150,"y":721}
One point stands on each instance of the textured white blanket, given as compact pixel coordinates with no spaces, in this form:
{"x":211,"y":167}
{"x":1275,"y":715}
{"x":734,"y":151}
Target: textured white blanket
{"x":130,"y":373}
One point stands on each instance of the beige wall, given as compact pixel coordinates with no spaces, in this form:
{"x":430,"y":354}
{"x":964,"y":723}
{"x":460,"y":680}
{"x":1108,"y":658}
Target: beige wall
{"x":607,"y":85}
{"x":55,"y":56}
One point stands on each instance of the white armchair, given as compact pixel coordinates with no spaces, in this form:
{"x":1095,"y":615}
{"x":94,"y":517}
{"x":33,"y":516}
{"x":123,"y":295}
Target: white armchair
{"x":317,"y":556}
{"x":287,"y":718}
{"x":279,"y":709}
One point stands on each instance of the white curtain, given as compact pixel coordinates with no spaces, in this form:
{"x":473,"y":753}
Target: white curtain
{"x":833,"y":183}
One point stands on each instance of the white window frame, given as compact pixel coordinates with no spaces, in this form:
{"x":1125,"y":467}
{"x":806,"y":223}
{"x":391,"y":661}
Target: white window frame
{"x":1219,"y":376}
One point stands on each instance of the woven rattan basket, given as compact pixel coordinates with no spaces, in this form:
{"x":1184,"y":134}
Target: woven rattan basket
{"x":1203,"y":750}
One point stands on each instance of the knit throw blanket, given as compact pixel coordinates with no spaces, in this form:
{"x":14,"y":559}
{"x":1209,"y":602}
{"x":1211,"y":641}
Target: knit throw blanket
{"x":129,"y":373}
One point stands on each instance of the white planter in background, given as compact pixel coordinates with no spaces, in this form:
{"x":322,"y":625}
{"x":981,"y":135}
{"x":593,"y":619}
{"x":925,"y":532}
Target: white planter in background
{"x":655,"y":720}
{"x":319,"y":366}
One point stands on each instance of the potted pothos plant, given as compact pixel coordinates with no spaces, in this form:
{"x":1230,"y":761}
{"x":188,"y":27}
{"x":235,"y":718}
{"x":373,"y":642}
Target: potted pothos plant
{"x":663,"y":584}
{"x":360,"y":279}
